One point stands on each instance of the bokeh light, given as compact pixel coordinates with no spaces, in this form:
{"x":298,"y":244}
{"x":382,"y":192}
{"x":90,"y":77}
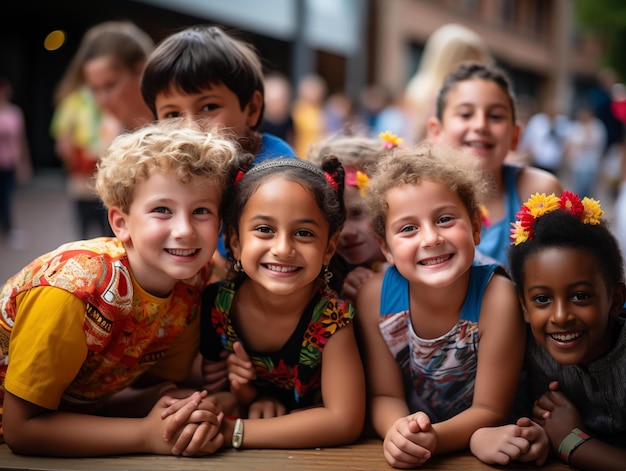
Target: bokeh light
{"x":54,"y":40}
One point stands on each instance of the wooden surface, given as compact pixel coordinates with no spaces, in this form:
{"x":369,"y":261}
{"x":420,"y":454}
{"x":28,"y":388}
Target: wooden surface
{"x":363,"y":456}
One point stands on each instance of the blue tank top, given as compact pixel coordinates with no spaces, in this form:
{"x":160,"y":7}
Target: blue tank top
{"x":495,"y":239}
{"x":438,"y":374}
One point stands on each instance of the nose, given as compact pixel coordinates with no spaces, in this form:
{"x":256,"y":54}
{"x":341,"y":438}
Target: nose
{"x":560,"y":312}
{"x":349,"y":230}
{"x":479,"y":121}
{"x":430,"y":235}
{"x":183,"y":228}
{"x":283,"y":247}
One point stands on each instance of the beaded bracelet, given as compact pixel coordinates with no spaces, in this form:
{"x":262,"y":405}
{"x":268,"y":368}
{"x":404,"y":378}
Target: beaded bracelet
{"x":572,"y":441}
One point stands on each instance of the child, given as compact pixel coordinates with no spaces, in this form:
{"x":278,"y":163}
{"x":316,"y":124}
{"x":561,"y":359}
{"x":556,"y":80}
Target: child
{"x":476,"y":112}
{"x":442,"y":335}
{"x":92,"y":317}
{"x":203,"y":73}
{"x":357,"y":247}
{"x":291,"y":338}
{"x":569,"y":273}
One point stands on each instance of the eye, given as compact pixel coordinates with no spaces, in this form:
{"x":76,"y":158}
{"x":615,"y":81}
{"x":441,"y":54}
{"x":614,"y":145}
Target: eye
{"x":209,"y":107}
{"x":580,"y":296}
{"x":445,"y":220}
{"x":355,"y":213}
{"x":162,"y":210}
{"x":541,"y":299}
{"x":202,"y":211}
{"x":263,"y":229}
{"x":408,"y":228}
{"x":497,"y":117}
{"x":304,"y":233}
{"x":171,"y":115}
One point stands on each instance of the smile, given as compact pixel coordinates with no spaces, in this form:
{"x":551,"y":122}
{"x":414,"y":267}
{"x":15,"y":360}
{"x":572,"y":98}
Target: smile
{"x":435,"y":261}
{"x":182,"y":252}
{"x":282,"y":268}
{"x":566,"y":336}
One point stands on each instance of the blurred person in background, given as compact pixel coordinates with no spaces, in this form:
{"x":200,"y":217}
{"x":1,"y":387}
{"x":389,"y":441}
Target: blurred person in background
{"x":308,"y":113}
{"x":445,"y":49}
{"x":97,"y":99}
{"x":15,"y":164}
{"x":277,"y":117}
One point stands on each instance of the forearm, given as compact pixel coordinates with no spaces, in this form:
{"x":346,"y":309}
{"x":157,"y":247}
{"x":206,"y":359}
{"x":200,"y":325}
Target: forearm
{"x":137,"y":402}
{"x":67,"y":434}
{"x":454,"y":434}
{"x":309,"y":428}
{"x":385,"y":410}
{"x":595,"y":454}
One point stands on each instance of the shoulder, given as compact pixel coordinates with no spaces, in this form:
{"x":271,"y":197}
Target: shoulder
{"x":273,"y":147}
{"x":533,"y":180}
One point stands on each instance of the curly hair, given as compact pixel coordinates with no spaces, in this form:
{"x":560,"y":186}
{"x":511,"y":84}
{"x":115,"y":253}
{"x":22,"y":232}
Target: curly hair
{"x":199,"y":56}
{"x":561,"y":229}
{"x":173,"y":145}
{"x":360,"y":152}
{"x":425,"y":161}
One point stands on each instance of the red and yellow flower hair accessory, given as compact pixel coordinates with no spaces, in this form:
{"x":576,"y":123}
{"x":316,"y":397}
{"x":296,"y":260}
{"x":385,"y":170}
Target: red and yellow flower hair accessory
{"x":588,"y":210}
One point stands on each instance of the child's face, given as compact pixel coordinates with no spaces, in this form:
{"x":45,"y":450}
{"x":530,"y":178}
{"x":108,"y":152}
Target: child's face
{"x":357,"y":243}
{"x":478,"y":118}
{"x":283,"y":237}
{"x":216,"y":105}
{"x":171,"y":230}
{"x":566,"y":302}
{"x":433,"y":242}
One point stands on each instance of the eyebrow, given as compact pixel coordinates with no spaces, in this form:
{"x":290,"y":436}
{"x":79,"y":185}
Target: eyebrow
{"x":264,"y":218}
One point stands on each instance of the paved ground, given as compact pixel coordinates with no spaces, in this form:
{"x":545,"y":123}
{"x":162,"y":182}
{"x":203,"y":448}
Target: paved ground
{"x":44,"y":219}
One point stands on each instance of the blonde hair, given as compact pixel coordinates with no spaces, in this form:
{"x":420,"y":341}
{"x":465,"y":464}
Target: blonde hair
{"x":445,"y":49}
{"x":187,"y":150}
{"x":426,"y":161}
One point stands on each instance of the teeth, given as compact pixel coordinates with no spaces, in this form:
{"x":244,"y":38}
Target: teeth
{"x":566,"y":337}
{"x":182,"y":252}
{"x":281,"y":268}
{"x":479,"y":145}
{"x":435,"y":261}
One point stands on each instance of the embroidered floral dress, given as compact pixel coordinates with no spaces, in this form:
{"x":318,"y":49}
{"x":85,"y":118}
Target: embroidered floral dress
{"x":292,"y":374}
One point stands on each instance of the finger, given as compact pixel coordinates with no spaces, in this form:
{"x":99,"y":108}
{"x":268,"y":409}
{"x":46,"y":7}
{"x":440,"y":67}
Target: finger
{"x":183,"y":439}
{"x":240,"y":351}
{"x":176,"y":405}
{"x":178,"y":420}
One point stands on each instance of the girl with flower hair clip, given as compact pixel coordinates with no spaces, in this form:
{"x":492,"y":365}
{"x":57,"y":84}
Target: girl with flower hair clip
{"x":569,"y":273}
{"x":442,"y":334}
{"x":358,"y":253}
{"x":293,"y":362}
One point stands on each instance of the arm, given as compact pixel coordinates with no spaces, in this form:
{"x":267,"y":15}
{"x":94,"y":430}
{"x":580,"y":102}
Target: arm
{"x":558,"y":416}
{"x":403,"y":446}
{"x":338,"y":421}
{"x":500,"y":356}
{"x":34,"y":430}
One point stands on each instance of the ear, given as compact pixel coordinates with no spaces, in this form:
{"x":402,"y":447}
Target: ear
{"x":119,"y":224}
{"x":434,"y":128}
{"x":331,"y":247}
{"x":385,"y":250}
{"x":617,"y":300}
{"x":522,"y":303}
{"x":253,"y":109}
{"x":477,"y":227}
{"x":517,"y":131}
{"x":235,"y":246}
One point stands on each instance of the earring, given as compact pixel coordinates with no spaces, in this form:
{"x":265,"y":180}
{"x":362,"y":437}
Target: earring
{"x":237,"y":266}
{"x":328,"y":275}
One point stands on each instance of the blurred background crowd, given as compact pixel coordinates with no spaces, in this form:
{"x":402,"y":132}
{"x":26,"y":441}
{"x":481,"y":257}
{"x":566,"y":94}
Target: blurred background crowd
{"x":332,"y":68}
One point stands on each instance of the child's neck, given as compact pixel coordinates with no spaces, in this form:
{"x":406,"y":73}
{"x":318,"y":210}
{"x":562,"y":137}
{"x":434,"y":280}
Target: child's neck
{"x":434,"y":311}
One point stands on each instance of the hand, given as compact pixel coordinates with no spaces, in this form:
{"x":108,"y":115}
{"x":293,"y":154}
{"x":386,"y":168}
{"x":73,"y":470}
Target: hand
{"x":354,"y":280}
{"x":524,"y":441}
{"x":266,"y":407}
{"x":410,"y":441}
{"x":178,"y":421}
{"x":240,"y":373}
{"x":557,"y":415}
{"x":215,"y":373}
